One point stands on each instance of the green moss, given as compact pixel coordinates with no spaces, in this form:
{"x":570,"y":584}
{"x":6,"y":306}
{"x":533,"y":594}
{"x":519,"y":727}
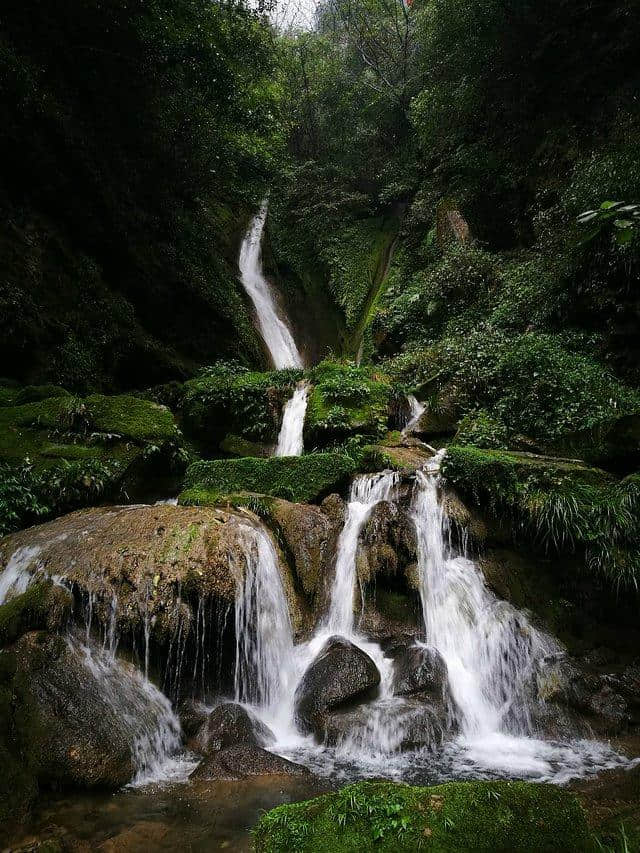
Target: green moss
{"x":458,"y":816}
{"x":131,"y":417}
{"x":346,"y":400}
{"x":557,"y":505}
{"x":235,"y":445}
{"x":296,"y":478}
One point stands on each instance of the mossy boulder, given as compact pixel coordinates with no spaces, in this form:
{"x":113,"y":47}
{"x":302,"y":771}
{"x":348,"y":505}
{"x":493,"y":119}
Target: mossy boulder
{"x":42,"y":606}
{"x":458,"y":816}
{"x":61,"y":452}
{"x":344,"y":401}
{"x":556,"y":505}
{"x":296,"y":478}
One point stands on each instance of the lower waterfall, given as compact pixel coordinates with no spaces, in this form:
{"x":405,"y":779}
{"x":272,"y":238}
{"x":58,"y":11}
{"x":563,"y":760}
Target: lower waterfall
{"x":492,"y":652}
{"x":290,"y":439}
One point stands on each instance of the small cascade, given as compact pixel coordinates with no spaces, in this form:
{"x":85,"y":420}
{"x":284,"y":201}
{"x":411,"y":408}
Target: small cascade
{"x":290,"y":439}
{"x":151,"y":725}
{"x":274,"y":330}
{"x":416,"y":410}
{"x":493,"y":654}
{"x":366,"y":492}
{"x":17,"y":575}
{"x":264,"y":635}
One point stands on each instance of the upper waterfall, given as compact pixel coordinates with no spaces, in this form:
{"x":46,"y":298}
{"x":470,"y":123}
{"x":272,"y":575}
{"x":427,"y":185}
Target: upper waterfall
{"x":276,"y":333}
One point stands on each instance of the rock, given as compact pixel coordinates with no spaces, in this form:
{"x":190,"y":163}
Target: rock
{"x":387,"y":542}
{"x":458,"y":816}
{"x":229,"y":724}
{"x":310,"y":533}
{"x":410,"y":724}
{"x":192,"y":715}
{"x":420,"y":669}
{"x":241,"y":762}
{"x":159,"y":562}
{"x":434,"y":423}
{"x":341,"y":673}
{"x":462,"y":516}
{"x":391,"y":616}
{"x":451,"y":226}
{"x":83,"y":740}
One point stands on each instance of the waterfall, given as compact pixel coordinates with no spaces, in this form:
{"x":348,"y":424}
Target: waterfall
{"x":416,"y":410}
{"x":290,"y":441}
{"x":275,"y":332}
{"x":264,"y":635}
{"x":492,"y":653}
{"x":366,"y":492}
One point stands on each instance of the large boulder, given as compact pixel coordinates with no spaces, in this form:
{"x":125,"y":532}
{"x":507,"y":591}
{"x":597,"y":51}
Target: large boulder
{"x":243,"y":761}
{"x":229,"y":724}
{"x":156,"y":562}
{"x":340,"y":674}
{"x":89,"y":712}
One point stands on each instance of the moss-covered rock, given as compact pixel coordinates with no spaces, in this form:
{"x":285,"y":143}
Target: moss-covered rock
{"x":43,"y":606}
{"x":557,"y":505}
{"x":346,"y":400}
{"x":296,"y":478}
{"x":458,"y":816}
{"x":60,"y":452}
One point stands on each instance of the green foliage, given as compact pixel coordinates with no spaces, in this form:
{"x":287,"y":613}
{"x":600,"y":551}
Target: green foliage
{"x":557,"y":505}
{"x":481,"y":429}
{"x":227,"y":398}
{"x":346,"y":400}
{"x":620,"y":219}
{"x":461,"y":816}
{"x":120,"y":260}
{"x":295,"y":478}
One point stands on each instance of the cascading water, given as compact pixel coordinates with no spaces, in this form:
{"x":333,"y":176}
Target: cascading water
{"x":17,"y":575}
{"x":366,"y":492}
{"x":264,"y":635}
{"x":416,"y":410}
{"x":492,"y":653}
{"x":290,"y":439}
{"x":275,"y":332}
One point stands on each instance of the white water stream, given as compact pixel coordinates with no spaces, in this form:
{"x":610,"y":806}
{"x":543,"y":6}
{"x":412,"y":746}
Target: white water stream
{"x":290,"y":439}
{"x":273,"y":328}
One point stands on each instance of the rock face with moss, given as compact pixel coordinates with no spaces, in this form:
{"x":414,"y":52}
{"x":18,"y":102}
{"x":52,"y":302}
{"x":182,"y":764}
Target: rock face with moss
{"x":460,"y":816}
{"x":59,"y":452}
{"x":295,"y":478}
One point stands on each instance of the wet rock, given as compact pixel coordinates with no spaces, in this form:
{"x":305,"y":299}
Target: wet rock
{"x":310,"y":534}
{"x":459,"y":514}
{"x":419,"y":669}
{"x":157,"y":561}
{"x":401,"y":725}
{"x":229,"y":725}
{"x":435,"y":423}
{"x":241,"y":762}
{"x":341,"y":673}
{"x":82,"y":741}
{"x":387,"y":543}
{"x":192,"y":715}
{"x":391,"y":616}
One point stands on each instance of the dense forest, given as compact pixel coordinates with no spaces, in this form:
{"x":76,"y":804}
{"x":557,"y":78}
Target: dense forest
{"x":433,"y":209}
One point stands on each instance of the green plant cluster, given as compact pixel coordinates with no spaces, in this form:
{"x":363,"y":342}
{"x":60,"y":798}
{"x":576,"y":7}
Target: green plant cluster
{"x":346,"y":401}
{"x":227,"y":398}
{"x":295,"y":478}
{"x":557,"y":505}
{"x":461,"y":816}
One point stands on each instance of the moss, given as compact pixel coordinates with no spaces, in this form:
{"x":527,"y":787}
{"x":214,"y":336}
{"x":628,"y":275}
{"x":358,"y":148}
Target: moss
{"x":296,"y":478}
{"x":42,"y":605}
{"x":131,"y":417}
{"x":460,"y":816}
{"x":235,"y":445}
{"x":558,"y":505}
{"x":346,"y":400}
